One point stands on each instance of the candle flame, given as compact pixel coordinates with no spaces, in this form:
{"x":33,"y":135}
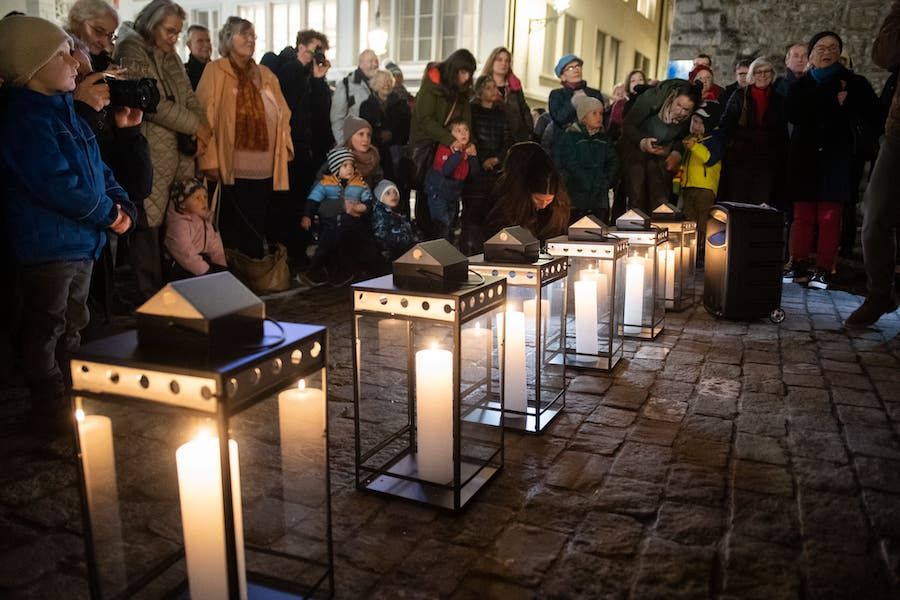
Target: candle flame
{"x":79,"y":415}
{"x":434,"y":346}
{"x":301,"y":385}
{"x":203,"y":434}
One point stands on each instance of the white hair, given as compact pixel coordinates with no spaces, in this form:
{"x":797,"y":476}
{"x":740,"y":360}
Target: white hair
{"x":762,"y":61}
{"x":85,"y":10}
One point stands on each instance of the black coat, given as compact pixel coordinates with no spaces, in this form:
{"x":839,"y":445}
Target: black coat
{"x":491,"y":132}
{"x":309,"y":99}
{"x":826,"y":135}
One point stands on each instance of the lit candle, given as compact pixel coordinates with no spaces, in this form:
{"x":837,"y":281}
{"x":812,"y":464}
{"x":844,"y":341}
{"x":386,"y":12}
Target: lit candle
{"x":634,"y":294}
{"x":602,"y":294}
{"x":586,"y":317}
{"x":673,"y":262}
{"x":203,"y":514}
{"x":389,"y":335}
{"x":529,"y":307}
{"x":301,"y":422}
{"x":515,"y":391}
{"x":434,"y":414}
{"x":474,"y":344}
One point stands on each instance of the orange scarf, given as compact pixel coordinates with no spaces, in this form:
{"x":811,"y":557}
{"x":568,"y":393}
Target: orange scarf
{"x":250,"y":130}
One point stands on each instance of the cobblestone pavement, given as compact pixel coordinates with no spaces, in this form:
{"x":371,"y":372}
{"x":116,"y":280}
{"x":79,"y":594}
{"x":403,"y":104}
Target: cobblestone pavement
{"x":726,"y":460}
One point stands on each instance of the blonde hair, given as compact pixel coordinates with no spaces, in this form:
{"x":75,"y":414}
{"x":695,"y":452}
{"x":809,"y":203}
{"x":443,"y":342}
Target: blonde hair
{"x":85,"y":10}
{"x":155,"y":13}
{"x":380,"y":76}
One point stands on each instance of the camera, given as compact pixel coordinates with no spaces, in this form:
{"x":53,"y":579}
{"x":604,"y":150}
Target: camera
{"x":319,"y":57}
{"x":134,"y":93}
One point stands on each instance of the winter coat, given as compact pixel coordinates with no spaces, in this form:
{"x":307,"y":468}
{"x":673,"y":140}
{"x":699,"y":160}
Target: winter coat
{"x":886,"y":54}
{"x":642,"y":120}
{"x":521,"y":123}
{"x":59,"y":196}
{"x":194,"y":70}
{"x":432,"y":108}
{"x":397,"y":117}
{"x":590,"y":166}
{"x":349,"y":94}
{"x":327,"y":197}
{"x":822,"y":144}
{"x":178,"y":112}
{"x":449,"y":173}
{"x":188,"y":236}
{"x":702,"y":165}
{"x":309,"y":100}
{"x":393,"y":232}
{"x":217,"y":95}
{"x":560,"y":104}
{"x":491,"y":133}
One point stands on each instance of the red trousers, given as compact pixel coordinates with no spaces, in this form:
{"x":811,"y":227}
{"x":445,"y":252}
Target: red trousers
{"x":807,"y":215}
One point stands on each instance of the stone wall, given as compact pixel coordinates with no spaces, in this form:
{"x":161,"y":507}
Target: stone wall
{"x":728,"y":29}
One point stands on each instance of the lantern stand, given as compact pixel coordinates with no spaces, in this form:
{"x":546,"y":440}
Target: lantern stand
{"x":680,"y":255}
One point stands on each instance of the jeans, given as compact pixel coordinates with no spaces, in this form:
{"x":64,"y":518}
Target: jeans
{"x":881,"y":217}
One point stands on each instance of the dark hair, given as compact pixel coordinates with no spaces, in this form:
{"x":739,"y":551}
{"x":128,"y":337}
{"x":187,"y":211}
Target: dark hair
{"x":480,"y":83}
{"x":706,"y":56}
{"x":457,"y":121}
{"x":540,"y":110}
{"x":628,"y":79}
{"x":194,"y":28}
{"x":527,"y":170}
{"x":459,"y":60}
{"x":307,"y":35}
{"x":742,"y":62}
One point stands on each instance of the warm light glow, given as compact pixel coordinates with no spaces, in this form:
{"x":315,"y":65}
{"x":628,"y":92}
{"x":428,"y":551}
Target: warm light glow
{"x":378,"y":38}
{"x":561,"y":5}
{"x":79,"y":415}
{"x":301,"y":385}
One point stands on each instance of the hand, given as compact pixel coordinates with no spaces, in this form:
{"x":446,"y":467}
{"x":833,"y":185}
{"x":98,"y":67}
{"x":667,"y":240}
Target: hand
{"x":842,"y":97}
{"x":650,"y":146}
{"x":319,"y":71}
{"x":689,"y":142}
{"x":201,"y":146}
{"x":93,"y":91}
{"x":211,"y":174}
{"x":456,"y":146}
{"x":490,"y":163}
{"x":306,"y":223}
{"x":471,"y":150}
{"x":203,"y":134}
{"x":673,"y":160}
{"x":122,"y":222}
{"x":128,"y":117}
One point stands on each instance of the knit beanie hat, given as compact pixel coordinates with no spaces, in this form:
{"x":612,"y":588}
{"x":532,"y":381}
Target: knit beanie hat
{"x":336,"y":157}
{"x":814,"y":39}
{"x":383,"y":186}
{"x":696,"y":71}
{"x":584,"y":105}
{"x":393,"y":68}
{"x":26,"y":45}
{"x":182,"y":189}
{"x":352,"y":125}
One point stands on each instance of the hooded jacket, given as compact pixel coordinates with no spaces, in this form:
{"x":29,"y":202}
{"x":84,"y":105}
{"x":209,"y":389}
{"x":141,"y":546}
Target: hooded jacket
{"x":432,"y":110}
{"x":590,"y":166}
{"x":188,"y":236}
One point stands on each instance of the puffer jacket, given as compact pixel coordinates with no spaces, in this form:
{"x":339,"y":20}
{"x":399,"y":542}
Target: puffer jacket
{"x":178,"y":112}
{"x":349,"y":94}
{"x":393,"y":232}
{"x":59,"y":196}
{"x":590,"y":166}
{"x":188,"y":236}
{"x":432,"y":110}
{"x":702,"y":165}
{"x":327,"y":197}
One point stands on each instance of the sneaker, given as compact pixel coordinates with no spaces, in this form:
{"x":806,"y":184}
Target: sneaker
{"x":313,"y":279}
{"x":870,"y":311}
{"x":795,"y":275}
{"x":819,"y":280}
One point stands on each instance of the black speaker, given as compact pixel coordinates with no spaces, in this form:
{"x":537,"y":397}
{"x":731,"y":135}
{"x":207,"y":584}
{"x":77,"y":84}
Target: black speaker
{"x":200,"y":316}
{"x":431,"y":266}
{"x":588,"y":229}
{"x":512,"y":244}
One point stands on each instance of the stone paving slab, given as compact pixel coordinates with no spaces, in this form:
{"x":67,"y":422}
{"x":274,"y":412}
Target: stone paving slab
{"x":725,"y":460}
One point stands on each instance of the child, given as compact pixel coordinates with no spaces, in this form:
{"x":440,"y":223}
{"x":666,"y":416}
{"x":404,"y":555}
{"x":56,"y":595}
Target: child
{"x":444,"y":182}
{"x":702,"y":167}
{"x":587,"y":160}
{"x":393,"y":233}
{"x":194,"y":245}
{"x":340,"y":199}
{"x":59,"y":199}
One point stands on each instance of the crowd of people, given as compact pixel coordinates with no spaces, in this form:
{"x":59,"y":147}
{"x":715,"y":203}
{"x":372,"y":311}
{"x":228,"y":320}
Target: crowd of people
{"x":232,"y":157}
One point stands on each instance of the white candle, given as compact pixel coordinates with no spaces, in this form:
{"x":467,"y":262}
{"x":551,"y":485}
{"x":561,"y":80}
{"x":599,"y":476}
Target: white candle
{"x":634,"y":294}
{"x":602,"y":294}
{"x":529,"y":307}
{"x":673,"y":263}
{"x":390,"y":333}
{"x":474,"y":344}
{"x":98,"y":460}
{"x":203,"y":514}
{"x":515,"y":389}
{"x":434,"y":414}
{"x":301,"y":422}
{"x":586,"y":317}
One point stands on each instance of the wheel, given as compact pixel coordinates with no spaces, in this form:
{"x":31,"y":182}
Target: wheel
{"x":777,"y":315}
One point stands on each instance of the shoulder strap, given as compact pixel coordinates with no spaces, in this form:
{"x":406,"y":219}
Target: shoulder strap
{"x":450,"y":114}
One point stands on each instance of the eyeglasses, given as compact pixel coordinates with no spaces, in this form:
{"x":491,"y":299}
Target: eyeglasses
{"x":171,"y":32}
{"x":572,"y":67}
{"x":764,"y":72}
{"x":823,"y":49}
{"x":100,"y":32}
{"x":249,"y":35}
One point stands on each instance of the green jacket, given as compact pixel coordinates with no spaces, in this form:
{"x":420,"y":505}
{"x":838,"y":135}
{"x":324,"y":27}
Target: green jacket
{"x":590,"y":166}
{"x":432,"y":107}
{"x":643,"y":121}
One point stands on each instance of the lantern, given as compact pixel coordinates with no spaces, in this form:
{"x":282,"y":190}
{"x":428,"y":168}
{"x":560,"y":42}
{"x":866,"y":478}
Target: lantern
{"x":428,"y":391}
{"x":534,"y":379}
{"x":206,"y":471}
{"x":680,"y":255}
{"x":594,"y":294}
{"x":645,"y":275}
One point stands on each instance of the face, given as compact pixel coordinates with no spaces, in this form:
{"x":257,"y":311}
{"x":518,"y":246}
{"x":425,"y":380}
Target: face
{"x":682,"y":107}
{"x":763,"y":76}
{"x":501,"y":65}
{"x":84,"y":61}
{"x":541,"y":201}
{"x":368,"y":63}
{"x":572,"y":72}
{"x":361,"y":140}
{"x":383,"y":90}
{"x":702,"y":60}
{"x":594,"y":119}
{"x":347,"y":170}
{"x":305,"y":52}
{"x":58,"y":75}
{"x":199,"y":45}
{"x":490,"y":93}
{"x":740,"y":75}
{"x":796,"y":58}
{"x":825,"y":53}
{"x":460,"y":133}
{"x":165,"y":35}
{"x":99,"y":33}
{"x":243,"y":44}
{"x":462,"y":78}
{"x":635,"y":80}
{"x":197,"y":203}
{"x":706,"y":78}
{"x":391,"y":197}
{"x":697,"y":127}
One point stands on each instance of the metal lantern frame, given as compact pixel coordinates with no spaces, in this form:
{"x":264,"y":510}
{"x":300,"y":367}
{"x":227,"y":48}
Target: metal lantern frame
{"x":391,"y":455}
{"x":539,"y":280}
{"x":681,"y":259}
{"x":602,"y":347}
{"x":645,"y":249}
{"x":148,"y":403}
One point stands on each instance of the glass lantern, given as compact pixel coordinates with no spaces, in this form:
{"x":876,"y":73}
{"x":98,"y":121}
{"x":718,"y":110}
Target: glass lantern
{"x":208,"y":477}
{"x":680,"y":255}
{"x":594,"y":294}
{"x":428,"y":389}
{"x":534,"y":378}
{"x":645,"y":281}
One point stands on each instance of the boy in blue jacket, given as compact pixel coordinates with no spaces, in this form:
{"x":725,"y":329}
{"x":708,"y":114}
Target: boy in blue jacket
{"x":60,"y":199}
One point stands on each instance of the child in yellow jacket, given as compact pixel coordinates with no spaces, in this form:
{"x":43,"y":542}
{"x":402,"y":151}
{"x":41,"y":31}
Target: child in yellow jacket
{"x":702,"y":167}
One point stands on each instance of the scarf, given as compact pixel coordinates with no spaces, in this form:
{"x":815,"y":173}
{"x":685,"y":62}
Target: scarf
{"x":250,"y":129}
{"x":825,"y":73}
{"x":760,"y":102}
{"x":366,"y":162}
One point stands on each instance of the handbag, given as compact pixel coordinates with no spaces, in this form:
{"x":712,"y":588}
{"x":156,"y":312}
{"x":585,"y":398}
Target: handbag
{"x":264,"y":275}
{"x":416,"y":158}
{"x":187,"y":144}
